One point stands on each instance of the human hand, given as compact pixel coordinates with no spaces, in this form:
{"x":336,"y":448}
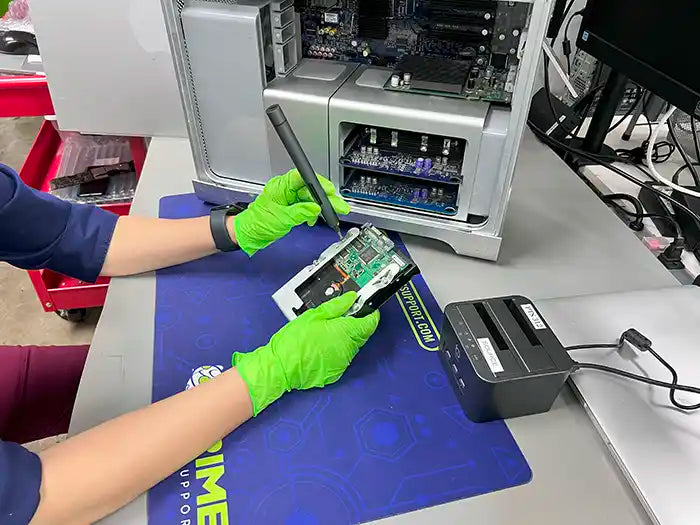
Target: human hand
{"x":312,"y":351}
{"x":284,"y":203}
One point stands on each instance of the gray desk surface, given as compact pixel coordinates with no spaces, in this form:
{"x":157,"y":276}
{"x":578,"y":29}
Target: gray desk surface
{"x":559,"y":241}
{"x":17,"y":64}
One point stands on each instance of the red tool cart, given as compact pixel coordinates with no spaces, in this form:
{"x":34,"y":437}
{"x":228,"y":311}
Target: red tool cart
{"x":28,"y":96}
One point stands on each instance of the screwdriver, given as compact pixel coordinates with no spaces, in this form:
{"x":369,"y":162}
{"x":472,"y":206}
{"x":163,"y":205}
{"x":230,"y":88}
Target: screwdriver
{"x":301,"y":161}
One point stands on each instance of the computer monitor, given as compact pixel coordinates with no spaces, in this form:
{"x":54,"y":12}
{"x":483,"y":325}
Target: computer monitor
{"x":653,"y":42}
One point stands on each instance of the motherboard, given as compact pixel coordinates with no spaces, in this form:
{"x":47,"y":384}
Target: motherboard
{"x":479,"y":41}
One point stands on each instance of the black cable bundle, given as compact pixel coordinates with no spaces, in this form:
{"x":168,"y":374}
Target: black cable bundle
{"x":606,"y":162}
{"x":663,"y":151}
{"x":643,"y":344}
{"x":688,"y":162}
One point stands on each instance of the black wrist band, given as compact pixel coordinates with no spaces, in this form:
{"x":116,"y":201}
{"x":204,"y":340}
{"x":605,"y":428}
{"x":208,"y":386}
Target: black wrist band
{"x":219,"y":229}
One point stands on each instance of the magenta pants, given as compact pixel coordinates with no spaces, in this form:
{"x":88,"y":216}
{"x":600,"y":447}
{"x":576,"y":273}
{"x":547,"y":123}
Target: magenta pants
{"x":38,"y":386}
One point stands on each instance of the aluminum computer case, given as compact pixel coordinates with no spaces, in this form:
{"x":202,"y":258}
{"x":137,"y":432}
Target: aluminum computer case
{"x":235,"y":58}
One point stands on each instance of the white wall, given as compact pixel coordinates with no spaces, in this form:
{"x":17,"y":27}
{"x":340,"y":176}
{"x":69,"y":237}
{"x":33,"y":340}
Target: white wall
{"x":109,"y":66}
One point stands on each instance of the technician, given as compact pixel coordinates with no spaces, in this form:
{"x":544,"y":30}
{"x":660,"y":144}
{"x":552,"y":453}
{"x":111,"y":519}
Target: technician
{"x":95,"y":473}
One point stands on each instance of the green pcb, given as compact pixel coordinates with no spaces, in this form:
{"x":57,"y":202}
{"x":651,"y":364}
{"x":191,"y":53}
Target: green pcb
{"x":368,"y":255}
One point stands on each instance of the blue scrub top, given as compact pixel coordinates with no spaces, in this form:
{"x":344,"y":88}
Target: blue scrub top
{"x":38,"y":230}
{"x":20,"y":481}
{"x":41,"y":231}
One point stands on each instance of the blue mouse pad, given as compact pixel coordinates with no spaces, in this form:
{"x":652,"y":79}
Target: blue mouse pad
{"x":388,"y":438}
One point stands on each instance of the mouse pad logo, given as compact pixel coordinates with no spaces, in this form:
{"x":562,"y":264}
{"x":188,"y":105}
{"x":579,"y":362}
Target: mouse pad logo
{"x":204,"y":374}
{"x":418,"y":318}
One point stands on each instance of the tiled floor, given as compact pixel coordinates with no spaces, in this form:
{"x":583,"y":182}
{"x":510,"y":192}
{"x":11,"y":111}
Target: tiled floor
{"x":22,"y":319}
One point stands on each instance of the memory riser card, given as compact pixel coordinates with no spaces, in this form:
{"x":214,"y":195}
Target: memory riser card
{"x":377,"y":187}
{"x":408,"y":154}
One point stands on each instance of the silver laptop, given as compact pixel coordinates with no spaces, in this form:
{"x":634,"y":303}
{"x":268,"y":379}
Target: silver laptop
{"x":656,"y":446}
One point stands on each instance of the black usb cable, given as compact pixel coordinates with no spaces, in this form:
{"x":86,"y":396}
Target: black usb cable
{"x":643,"y":344}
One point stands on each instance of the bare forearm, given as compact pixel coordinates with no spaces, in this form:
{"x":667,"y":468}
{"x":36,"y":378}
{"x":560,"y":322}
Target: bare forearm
{"x":97,"y":472}
{"x":142,"y":244}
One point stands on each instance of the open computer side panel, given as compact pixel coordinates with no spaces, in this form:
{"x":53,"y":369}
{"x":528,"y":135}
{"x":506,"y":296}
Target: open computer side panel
{"x":467,"y":52}
{"x":468,"y":49}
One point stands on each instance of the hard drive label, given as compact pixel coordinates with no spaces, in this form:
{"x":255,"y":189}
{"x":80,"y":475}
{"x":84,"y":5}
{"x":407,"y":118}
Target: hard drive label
{"x":534,"y":317}
{"x":490,"y":355}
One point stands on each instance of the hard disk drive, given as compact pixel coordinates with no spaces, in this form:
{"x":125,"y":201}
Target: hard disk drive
{"x":366,"y":261}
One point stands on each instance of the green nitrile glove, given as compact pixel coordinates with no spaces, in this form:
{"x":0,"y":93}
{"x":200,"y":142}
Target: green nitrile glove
{"x":312,"y":351}
{"x":284,"y":203}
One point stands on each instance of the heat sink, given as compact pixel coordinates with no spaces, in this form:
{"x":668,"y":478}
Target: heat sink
{"x":374,"y":15}
{"x":436,"y":74}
